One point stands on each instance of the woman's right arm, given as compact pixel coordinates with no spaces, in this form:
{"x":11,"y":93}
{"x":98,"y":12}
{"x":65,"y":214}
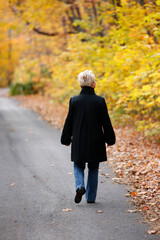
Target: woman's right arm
{"x":66,"y":137}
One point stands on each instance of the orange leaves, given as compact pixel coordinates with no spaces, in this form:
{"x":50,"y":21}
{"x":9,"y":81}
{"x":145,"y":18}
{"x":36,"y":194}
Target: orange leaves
{"x":134,"y":194}
{"x":145,"y":208}
{"x":138,"y":166}
{"x":118,"y":149}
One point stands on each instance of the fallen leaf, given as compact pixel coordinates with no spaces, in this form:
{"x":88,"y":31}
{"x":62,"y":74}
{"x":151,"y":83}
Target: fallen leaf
{"x":141,"y":193}
{"x":107,"y":175}
{"x":102,"y":174}
{"x":134,"y":193}
{"x":67,"y":210}
{"x":115,"y":178}
{"x":152,"y":204}
{"x":153,"y":219}
{"x":127,"y":195}
{"x":152,"y":231}
{"x":118,"y":149}
{"x":133,"y":210}
{"x":99,"y":211}
{"x":12,"y":184}
{"x":145,"y":208}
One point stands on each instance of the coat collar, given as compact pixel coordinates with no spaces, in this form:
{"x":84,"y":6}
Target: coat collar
{"x":87,"y":91}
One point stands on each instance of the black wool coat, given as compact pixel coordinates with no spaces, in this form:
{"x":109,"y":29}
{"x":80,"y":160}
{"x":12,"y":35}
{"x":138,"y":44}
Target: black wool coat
{"x":88,"y":127}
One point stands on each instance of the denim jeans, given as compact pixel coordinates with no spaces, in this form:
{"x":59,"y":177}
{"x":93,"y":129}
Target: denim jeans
{"x":92,"y":181}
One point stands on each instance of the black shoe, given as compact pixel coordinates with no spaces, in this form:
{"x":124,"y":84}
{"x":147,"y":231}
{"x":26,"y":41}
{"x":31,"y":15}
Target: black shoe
{"x":79,"y":193}
{"x":90,"y":201}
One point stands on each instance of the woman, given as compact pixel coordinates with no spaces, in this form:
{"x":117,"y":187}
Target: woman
{"x":87,"y":127}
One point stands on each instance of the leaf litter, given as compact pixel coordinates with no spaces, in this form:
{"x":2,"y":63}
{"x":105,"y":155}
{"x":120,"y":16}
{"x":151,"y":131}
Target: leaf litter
{"x":136,"y":163}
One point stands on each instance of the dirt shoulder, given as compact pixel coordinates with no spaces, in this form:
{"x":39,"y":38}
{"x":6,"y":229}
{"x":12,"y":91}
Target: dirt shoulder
{"x":134,"y":159}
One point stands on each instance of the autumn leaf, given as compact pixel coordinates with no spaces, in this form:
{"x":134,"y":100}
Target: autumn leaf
{"x":151,"y":231}
{"x":127,"y":195}
{"x":133,"y":210}
{"x":67,"y":210}
{"x":99,"y":211}
{"x":118,"y":149}
{"x":134,"y":193}
{"x":153,"y":219}
{"x":115,"y":178}
{"x":145,"y":208}
{"x":102,"y":174}
{"x":13,"y":184}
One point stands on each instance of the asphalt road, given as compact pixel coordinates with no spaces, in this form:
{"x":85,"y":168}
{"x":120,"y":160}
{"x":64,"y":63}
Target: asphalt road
{"x":36,"y":184}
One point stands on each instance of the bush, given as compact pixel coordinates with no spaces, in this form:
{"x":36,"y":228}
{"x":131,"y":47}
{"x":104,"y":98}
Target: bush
{"x":23,"y":89}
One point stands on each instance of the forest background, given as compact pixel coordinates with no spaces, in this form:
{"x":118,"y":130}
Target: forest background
{"x":44,"y":45}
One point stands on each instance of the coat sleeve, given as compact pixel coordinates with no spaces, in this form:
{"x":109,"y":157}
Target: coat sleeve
{"x":66,"y":137}
{"x":109,"y":134}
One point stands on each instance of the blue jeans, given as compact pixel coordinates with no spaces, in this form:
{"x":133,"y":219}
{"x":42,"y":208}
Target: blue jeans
{"x":92,"y":181}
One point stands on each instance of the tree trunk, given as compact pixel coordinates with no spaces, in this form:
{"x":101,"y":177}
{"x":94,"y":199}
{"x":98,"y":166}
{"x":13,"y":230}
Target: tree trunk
{"x":94,"y":10}
{"x":9,"y":77}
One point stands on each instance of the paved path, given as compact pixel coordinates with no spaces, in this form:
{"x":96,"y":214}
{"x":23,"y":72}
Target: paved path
{"x":35,"y":186}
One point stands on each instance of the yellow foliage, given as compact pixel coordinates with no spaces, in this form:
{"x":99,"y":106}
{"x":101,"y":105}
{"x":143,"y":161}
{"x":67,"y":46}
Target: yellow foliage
{"x":119,"y":47}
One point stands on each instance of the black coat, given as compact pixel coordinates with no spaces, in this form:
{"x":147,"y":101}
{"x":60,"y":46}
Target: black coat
{"x":88,"y":128}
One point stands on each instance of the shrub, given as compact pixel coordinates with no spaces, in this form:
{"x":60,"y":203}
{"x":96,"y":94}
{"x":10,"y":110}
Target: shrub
{"x":23,"y":88}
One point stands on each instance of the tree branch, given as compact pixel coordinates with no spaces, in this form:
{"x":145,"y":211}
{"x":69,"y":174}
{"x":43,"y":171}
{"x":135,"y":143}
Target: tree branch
{"x":38,"y":30}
